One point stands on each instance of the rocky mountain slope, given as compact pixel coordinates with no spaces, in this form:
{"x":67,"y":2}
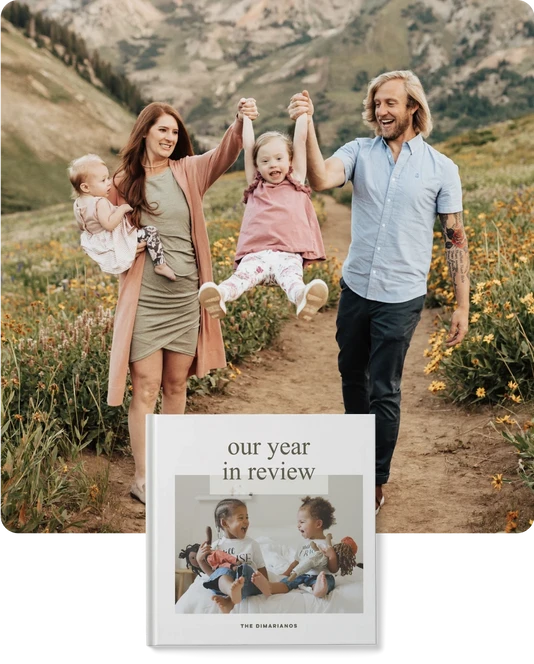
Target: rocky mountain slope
{"x":476,"y":58}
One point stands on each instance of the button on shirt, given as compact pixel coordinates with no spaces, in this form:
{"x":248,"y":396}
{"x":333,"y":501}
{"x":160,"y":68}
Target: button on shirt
{"x":394,"y":207}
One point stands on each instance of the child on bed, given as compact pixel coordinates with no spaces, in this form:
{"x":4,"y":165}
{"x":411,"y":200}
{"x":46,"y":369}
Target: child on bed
{"x":280,"y":230}
{"x":230,"y":585}
{"x":314,"y":517}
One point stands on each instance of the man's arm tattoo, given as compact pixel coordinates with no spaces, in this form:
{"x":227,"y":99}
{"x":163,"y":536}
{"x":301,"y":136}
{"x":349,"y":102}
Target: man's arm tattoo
{"x":456,"y":250}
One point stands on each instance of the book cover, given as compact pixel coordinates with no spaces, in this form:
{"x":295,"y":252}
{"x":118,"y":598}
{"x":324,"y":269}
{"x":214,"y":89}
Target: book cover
{"x":260,"y":529}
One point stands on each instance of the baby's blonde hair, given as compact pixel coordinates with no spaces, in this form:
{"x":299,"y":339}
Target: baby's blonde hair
{"x":269,"y":136}
{"x":79,"y":170}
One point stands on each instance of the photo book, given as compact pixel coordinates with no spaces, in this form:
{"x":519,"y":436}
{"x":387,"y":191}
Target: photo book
{"x":260,"y":530}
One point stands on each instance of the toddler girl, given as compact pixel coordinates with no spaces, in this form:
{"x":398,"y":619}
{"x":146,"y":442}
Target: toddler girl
{"x":107,"y":236}
{"x":280,"y":230}
{"x":314,"y":517}
{"x":231,"y":584}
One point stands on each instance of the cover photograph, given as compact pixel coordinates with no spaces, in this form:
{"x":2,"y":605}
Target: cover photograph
{"x":260,"y":530}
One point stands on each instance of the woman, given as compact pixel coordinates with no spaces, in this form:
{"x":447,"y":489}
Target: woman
{"x":159,"y":329}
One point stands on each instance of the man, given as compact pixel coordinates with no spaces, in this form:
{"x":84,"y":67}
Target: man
{"x":399,"y":183}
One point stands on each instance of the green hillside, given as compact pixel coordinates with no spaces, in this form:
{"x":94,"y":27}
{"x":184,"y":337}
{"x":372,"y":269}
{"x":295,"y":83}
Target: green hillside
{"x":50,"y":115}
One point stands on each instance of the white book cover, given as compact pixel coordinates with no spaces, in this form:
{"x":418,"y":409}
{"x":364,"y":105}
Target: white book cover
{"x":260,"y":530}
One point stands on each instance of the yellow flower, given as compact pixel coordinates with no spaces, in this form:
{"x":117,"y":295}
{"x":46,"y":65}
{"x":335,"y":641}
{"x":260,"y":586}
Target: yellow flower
{"x":489,"y":338}
{"x":481,"y":392}
{"x":93,"y":492}
{"x":496,"y":480}
{"x":61,"y":306}
{"x":436,"y":386}
{"x":508,"y":316}
{"x":475,"y":362}
{"x":475,"y":317}
{"x":515,"y":397}
{"x":512,"y":385}
{"x":476,"y":298}
{"x":505,"y":419}
{"x":482,"y":216}
{"x":18,"y":417}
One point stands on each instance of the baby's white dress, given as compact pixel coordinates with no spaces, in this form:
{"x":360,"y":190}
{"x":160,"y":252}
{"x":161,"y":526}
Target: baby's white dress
{"x":114,"y":251}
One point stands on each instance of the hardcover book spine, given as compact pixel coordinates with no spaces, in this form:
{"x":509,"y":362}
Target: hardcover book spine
{"x":150,"y":530}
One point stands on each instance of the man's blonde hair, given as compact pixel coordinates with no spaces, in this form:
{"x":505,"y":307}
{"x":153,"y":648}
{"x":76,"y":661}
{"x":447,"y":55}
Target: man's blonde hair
{"x":422,"y":118}
{"x":80,"y":168}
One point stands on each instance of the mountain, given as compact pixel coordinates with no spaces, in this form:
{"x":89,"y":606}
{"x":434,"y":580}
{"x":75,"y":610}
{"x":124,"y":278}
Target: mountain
{"x":475,"y":57}
{"x":50,"y":115}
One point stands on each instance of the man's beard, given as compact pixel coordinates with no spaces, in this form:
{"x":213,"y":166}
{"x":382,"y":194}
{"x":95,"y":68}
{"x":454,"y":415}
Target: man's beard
{"x":397,"y":128}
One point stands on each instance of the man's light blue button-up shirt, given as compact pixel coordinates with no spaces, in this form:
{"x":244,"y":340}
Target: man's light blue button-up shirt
{"x":394,"y":207}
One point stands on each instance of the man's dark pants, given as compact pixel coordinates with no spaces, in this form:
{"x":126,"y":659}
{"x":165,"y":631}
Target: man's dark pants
{"x":373,"y":339}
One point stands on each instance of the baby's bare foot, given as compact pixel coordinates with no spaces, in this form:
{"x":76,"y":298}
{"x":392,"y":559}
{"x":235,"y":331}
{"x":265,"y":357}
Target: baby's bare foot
{"x":165,"y":271}
{"x":261,"y":582}
{"x":225,"y":604}
{"x":320,"y":589}
{"x":235,"y":590}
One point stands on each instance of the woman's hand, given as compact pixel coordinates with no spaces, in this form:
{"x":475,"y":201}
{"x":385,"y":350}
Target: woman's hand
{"x":140,"y":248}
{"x":247,"y":107}
{"x":299,"y":104}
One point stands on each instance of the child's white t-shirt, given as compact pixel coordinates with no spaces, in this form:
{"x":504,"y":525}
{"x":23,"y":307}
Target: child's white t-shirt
{"x":306,"y":552}
{"x":246,"y":550}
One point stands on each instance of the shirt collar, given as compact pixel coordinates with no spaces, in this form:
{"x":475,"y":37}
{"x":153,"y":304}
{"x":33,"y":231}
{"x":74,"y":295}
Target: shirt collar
{"x":414,"y":144}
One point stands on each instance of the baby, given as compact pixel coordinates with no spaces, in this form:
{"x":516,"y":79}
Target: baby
{"x":313,"y":518}
{"x":107,"y":236}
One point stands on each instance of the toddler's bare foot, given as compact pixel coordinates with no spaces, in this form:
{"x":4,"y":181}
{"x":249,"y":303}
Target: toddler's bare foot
{"x":320,"y":589}
{"x":165,"y":271}
{"x":235,"y":590}
{"x":225,"y":604}
{"x":261,"y":582}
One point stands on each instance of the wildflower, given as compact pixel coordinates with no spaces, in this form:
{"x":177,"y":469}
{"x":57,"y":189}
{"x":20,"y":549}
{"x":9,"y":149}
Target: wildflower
{"x":475,"y":362}
{"x":232,"y":376}
{"x":523,"y":259}
{"x":481,"y":216}
{"x":507,"y":306}
{"x":513,"y":385}
{"x":528,"y":425}
{"x":488,"y":309}
{"x":61,"y":306}
{"x":93,"y":492}
{"x":512,"y":516}
{"x":18,"y":417}
{"x":436,"y":386}
{"x":496,"y":481}
{"x":37,"y":416}
{"x":15,"y":381}
{"x":489,"y":338}
{"x":481,"y":392}
{"x":505,"y":419}
{"x":475,"y":317}
{"x":476,"y":298}
{"x":515,"y":398}
{"x":41,"y":385}
{"x":508,"y":316}
{"x":65,"y":469}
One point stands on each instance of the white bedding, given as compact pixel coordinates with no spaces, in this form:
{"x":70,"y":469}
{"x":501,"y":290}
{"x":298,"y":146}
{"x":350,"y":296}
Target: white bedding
{"x":347,"y":596}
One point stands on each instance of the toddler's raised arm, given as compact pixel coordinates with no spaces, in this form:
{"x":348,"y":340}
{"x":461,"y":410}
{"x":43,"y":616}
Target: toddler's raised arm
{"x":248,"y":146}
{"x":299,"y":148}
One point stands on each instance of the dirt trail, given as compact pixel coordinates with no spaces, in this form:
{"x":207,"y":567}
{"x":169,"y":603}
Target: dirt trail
{"x":440,"y":480}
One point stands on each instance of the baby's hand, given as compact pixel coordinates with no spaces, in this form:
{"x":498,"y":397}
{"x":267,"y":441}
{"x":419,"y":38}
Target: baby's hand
{"x":126,"y":208}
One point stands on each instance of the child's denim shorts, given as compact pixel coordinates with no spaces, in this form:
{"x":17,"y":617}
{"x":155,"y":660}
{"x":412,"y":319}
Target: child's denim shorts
{"x":309,"y":580}
{"x":244,"y":570}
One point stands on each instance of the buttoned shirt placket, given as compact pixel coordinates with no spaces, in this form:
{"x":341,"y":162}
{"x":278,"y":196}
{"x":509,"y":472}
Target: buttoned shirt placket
{"x":396,"y":168}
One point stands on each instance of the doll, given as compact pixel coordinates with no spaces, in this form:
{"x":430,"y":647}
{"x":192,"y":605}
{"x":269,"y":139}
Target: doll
{"x":189,"y":554}
{"x":346,"y":555}
{"x":346,"y":558}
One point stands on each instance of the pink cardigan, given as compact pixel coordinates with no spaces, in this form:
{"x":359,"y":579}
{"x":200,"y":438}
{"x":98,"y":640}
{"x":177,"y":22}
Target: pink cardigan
{"x":194,"y":175}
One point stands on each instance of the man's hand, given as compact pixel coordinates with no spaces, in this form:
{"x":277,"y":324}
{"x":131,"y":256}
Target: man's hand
{"x":459,"y":325}
{"x":247,"y":107}
{"x":140,"y":248}
{"x":299,"y":104}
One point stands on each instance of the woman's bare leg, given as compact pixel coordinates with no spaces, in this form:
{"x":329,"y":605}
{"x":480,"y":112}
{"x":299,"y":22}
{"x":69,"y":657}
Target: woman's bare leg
{"x":174,"y":382}
{"x":146,"y":381}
